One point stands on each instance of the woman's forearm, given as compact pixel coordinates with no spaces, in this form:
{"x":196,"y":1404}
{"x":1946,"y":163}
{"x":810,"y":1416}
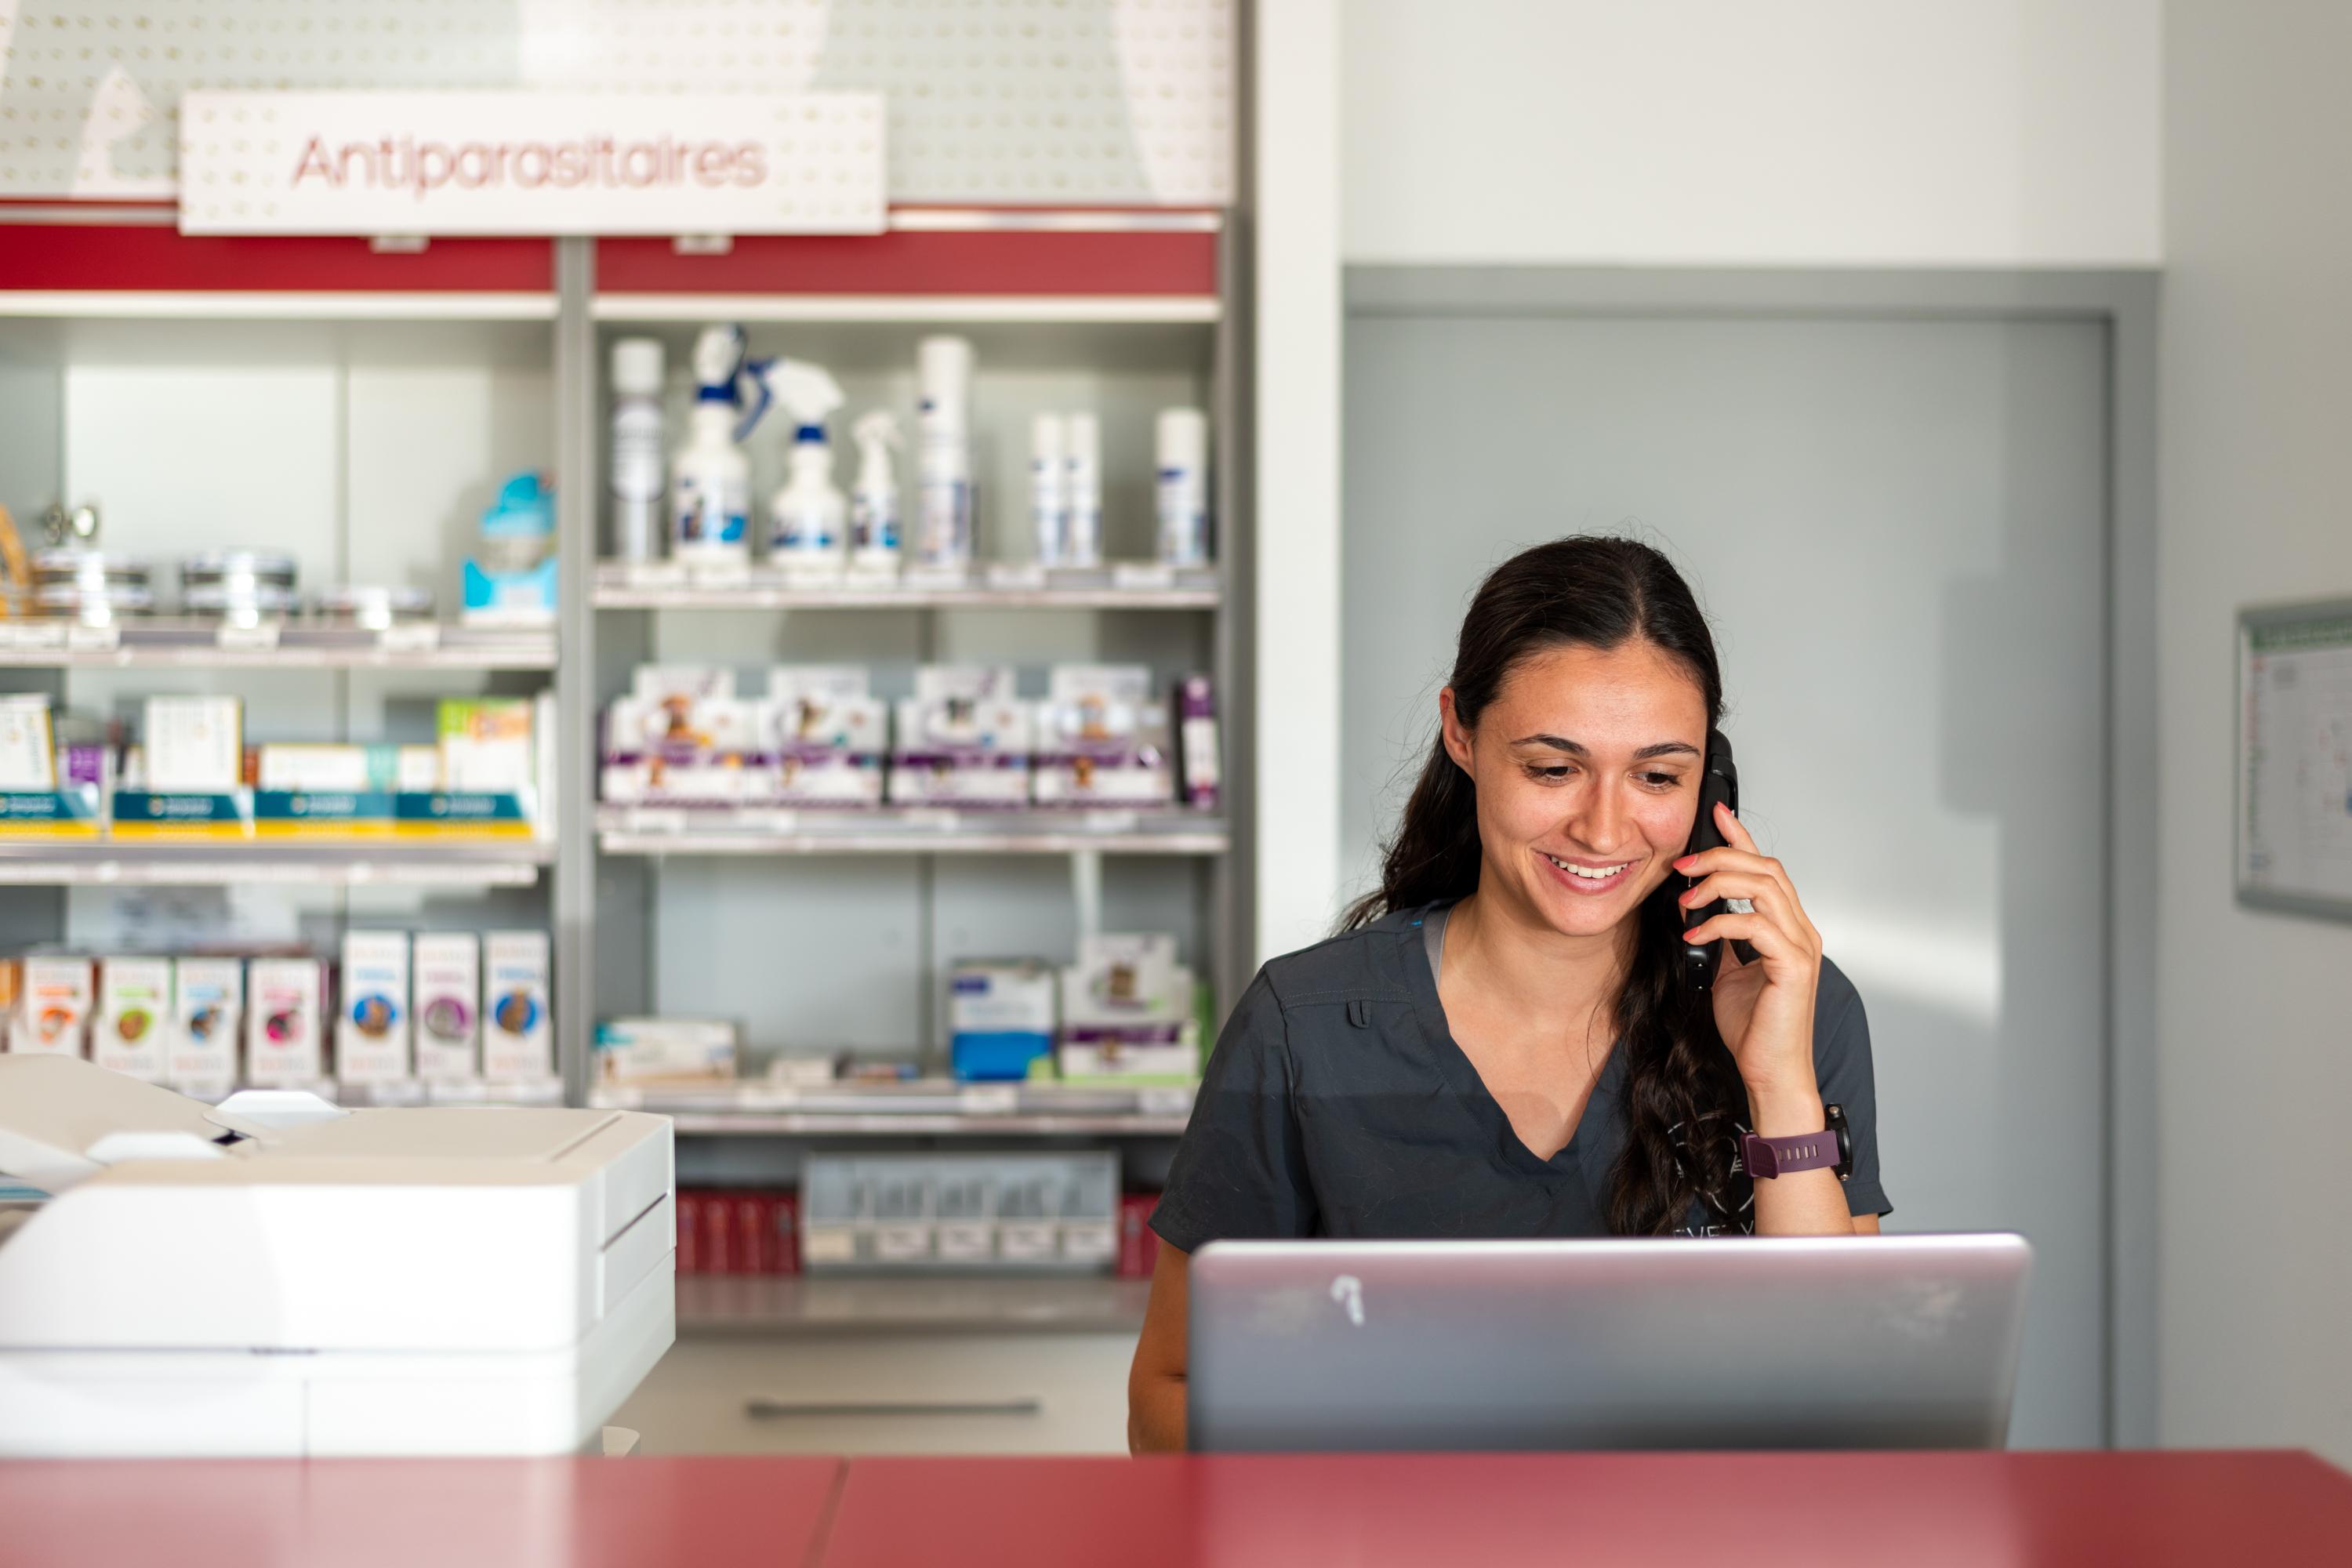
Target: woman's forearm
{"x":1802,"y":1203}
{"x":1155,"y":1414}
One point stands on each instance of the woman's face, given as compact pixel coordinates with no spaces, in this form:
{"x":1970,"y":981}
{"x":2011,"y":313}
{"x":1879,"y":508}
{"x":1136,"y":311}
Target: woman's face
{"x":1587,"y":767}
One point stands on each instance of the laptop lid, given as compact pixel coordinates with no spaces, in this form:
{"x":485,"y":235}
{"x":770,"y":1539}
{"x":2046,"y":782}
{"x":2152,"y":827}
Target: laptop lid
{"x":1907,"y":1342}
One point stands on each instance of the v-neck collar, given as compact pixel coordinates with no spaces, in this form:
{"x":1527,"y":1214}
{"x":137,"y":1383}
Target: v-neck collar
{"x":1589,"y":1150}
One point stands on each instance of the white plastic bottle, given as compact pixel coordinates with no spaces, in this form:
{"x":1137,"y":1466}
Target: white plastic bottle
{"x":1183,"y":443}
{"x":808,"y":522}
{"x":711,"y":479}
{"x":636,"y":447}
{"x":943,"y":537}
{"x":1049,"y":489}
{"x":1083,"y":438}
{"x":873,"y":502}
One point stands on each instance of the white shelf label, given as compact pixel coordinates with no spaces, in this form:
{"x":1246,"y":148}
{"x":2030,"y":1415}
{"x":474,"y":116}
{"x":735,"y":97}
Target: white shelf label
{"x":1089,"y":1240}
{"x":1144,"y":576}
{"x":422,"y":638}
{"x":33,"y":634}
{"x":944,"y":819}
{"x":1112,"y":821}
{"x":1017,"y":576}
{"x":828,"y":1244}
{"x":967,"y":1241}
{"x":902,"y":1243}
{"x":655,"y":819}
{"x":655,"y":574}
{"x":1163,"y":1099}
{"x":766,"y":820}
{"x":247,"y":640}
{"x":722,"y":579}
{"x":989,"y":1100}
{"x":937,"y":579}
{"x":93,"y":639}
{"x":1029,"y":1241}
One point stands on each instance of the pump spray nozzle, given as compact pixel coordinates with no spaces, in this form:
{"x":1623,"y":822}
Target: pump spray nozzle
{"x":877,"y":435}
{"x":808,"y":392}
{"x":722,"y":374}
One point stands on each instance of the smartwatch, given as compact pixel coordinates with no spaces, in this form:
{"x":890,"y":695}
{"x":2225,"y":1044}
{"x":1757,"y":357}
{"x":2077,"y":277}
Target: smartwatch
{"x":1829,"y":1149}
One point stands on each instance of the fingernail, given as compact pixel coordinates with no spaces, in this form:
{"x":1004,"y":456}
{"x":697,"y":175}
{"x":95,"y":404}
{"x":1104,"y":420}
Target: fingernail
{"x":1684,"y":864}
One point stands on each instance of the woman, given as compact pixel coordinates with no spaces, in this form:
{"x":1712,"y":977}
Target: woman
{"x":1500,"y":1042}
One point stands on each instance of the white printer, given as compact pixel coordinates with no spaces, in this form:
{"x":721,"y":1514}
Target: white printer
{"x":278,"y":1277}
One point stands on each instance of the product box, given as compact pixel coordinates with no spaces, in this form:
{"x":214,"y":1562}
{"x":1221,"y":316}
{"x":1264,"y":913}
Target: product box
{"x":486,"y":745}
{"x":343,"y":769}
{"x":822,"y":739}
{"x":1000,"y":1018}
{"x":680,"y":748}
{"x":447,"y":1005}
{"x":134,"y":1013}
{"x":56,"y":997}
{"x":517,"y":1034}
{"x":1196,"y":744}
{"x":1127,"y":1012}
{"x":285,"y":1022}
{"x":664,"y":1050}
{"x":1139,"y":1243}
{"x":1102,"y":740}
{"x":194,"y":745}
{"x":207,"y":1013}
{"x":29,"y":759}
{"x":372,"y":1028}
{"x":955,"y":751}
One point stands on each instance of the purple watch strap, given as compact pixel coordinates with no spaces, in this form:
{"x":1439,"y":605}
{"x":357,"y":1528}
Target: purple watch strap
{"x":1768,"y":1157}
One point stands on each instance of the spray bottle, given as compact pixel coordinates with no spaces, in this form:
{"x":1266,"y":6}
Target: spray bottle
{"x":874,"y":504}
{"x":943,"y":452}
{"x":710,"y":479}
{"x":1084,"y":451}
{"x":808,"y":523}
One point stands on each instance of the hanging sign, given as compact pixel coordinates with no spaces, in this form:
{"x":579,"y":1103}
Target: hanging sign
{"x":530,"y":163}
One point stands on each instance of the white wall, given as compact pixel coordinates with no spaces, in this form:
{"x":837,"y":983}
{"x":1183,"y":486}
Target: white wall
{"x":2256,"y":1053}
{"x":1886,"y":132}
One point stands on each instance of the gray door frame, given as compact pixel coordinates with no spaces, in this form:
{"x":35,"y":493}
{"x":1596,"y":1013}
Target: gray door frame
{"x":2124,"y":302}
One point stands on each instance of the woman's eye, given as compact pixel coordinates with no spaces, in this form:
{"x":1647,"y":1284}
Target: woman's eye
{"x":1550,"y":775}
{"x":1662,"y":781}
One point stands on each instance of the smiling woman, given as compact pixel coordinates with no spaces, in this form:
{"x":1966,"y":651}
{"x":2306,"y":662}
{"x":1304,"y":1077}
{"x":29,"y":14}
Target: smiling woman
{"x":1502,"y":1041}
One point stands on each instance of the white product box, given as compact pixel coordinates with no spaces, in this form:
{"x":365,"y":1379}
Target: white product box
{"x":448,"y":1006}
{"x":207,"y":1010}
{"x":1004,"y":996}
{"x":486,"y":745}
{"x":28,"y":757}
{"x":1123,"y":978}
{"x":516,"y":1032}
{"x":418,"y":770}
{"x":965,"y":683}
{"x":134,"y":1013}
{"x":372,"y":1022}
{"x":194,"y":744}
{"x":638,"y":1051}
{"x":334,"y":769}
{"x":53,"y":1011}
{"x":285,"y":1025}
{"x":953,"y":751}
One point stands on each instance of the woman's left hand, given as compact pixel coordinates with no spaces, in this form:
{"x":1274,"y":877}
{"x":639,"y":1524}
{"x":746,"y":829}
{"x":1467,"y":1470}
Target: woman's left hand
{"x":1764,"y":1010}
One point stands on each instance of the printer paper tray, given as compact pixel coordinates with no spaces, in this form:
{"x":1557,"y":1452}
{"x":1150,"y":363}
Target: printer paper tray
{"x":69,"y":1404}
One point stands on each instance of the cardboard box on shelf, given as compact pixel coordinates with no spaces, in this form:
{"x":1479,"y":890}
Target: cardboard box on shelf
{"x":664,"y":1050}
{"x":194,"y":745}
{"x":372,"y":1026}
{"x":447,"y":1011}
{"x":486,"y":745}
{"x":134,"y":1013}
{"x":207,"y":1015}
{"x":517,"y":1036}
{"x":53,"y":1008}
{"x":285,"y":1022}
{"x":999,"y":1017}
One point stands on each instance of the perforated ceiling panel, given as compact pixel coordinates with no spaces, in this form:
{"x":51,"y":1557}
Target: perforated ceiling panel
{"x":990,"y":100}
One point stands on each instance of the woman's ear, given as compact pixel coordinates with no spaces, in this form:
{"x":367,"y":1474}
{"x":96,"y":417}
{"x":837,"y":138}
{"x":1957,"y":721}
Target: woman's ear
{"x":1450,"y":729}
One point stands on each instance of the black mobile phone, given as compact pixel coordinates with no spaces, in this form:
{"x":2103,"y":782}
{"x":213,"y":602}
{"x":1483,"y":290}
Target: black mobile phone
{"x":1718,"y":781}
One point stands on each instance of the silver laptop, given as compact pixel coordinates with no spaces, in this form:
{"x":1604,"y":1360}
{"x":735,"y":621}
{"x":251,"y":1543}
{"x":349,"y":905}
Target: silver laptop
{"x":1895,"y":1342}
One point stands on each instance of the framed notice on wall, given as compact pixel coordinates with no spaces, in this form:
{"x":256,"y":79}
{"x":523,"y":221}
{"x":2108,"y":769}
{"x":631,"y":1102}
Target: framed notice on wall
{"x":2295,"y":758}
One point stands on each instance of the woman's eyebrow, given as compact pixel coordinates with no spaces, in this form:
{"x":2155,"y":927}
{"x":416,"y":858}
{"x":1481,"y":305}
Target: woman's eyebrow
{"x":1575,"y":749}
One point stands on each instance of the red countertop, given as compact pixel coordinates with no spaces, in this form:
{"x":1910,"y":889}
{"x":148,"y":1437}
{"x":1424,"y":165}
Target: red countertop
{"x":1924,"y":1511}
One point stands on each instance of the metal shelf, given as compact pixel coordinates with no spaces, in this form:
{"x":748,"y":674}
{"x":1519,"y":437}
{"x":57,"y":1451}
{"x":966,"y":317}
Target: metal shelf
{"x":914,"y":310}
{"x":916,"y":1110}
{"x":627,"y":585}
{"x":178,"y":644}
{"x":719,"y":1304}
{"x":904,"y":830}
{"x":103,"y":862}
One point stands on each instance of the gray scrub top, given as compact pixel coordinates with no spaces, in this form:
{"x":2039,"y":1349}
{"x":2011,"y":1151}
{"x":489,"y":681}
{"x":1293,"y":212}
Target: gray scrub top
{"x":1336,"y":1103}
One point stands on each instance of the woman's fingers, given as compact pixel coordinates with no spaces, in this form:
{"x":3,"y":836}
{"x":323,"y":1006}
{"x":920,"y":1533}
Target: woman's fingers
{"x":1767,"y":936}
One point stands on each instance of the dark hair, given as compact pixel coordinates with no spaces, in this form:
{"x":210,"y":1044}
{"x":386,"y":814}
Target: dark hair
{"x":1681,"y":1086}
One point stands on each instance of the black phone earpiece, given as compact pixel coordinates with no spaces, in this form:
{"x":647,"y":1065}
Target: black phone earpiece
{"x":1719,"y":781}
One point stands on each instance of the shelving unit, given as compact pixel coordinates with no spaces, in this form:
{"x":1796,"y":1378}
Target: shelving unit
{"x":164,"y":643}
{"x":940,"y":1109}
{"x":439,"y":371}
